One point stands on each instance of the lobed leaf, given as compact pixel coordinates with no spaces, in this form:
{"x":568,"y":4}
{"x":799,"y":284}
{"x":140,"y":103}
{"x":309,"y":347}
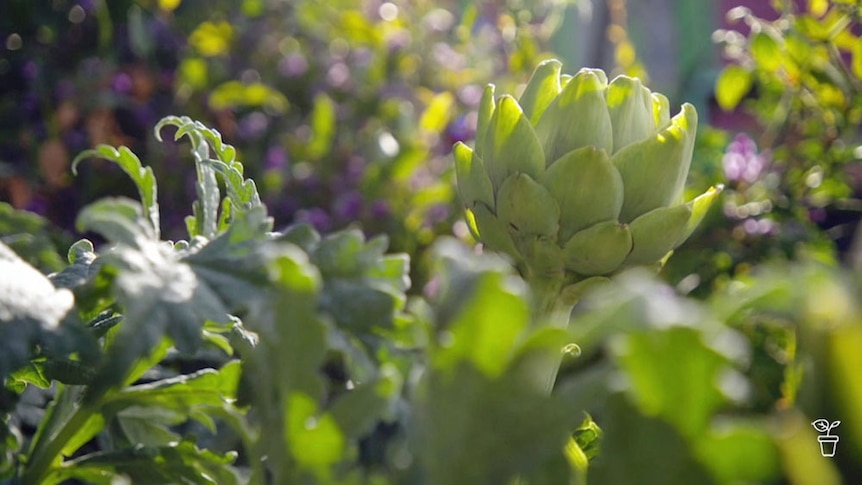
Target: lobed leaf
{"x":143,"y":177}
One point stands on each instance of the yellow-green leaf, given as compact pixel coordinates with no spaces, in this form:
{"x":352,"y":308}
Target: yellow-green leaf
{"x":733,"y":84}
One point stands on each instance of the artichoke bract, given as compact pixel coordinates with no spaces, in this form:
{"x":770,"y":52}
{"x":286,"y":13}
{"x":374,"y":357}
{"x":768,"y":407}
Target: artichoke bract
{"x":580,"y":177}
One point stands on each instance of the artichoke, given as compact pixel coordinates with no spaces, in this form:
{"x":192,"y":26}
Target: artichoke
{"x":580,"y":177}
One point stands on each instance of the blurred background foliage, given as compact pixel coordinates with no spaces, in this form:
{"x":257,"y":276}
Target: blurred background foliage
{"x":346,"y":112}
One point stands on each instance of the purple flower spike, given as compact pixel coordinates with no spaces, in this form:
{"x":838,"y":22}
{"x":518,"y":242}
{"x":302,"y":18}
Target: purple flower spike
{"x":742,"y":162}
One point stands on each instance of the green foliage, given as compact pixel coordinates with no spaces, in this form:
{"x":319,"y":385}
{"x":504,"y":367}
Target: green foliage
{"x":243,"y":355}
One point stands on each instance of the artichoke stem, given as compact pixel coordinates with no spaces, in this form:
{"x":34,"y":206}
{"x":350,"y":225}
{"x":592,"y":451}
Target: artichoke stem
{"x":550,"y":308}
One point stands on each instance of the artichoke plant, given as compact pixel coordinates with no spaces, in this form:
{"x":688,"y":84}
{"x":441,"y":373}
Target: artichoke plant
{"x":579,"y":177}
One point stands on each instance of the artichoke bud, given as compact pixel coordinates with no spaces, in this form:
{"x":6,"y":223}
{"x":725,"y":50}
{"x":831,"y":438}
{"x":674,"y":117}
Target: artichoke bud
{"x":657,"y":232}
{"x":491,"y":231}
{"x":599,"y":249}
{"x":580,"y":177}
{"x":486,"y":110}
{"x":473,"y":183}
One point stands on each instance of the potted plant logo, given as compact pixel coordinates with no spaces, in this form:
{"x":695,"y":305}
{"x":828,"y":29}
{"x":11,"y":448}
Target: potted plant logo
{"x":828,"y":443}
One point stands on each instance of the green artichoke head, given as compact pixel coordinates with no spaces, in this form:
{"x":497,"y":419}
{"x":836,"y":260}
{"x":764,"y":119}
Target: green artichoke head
{"x":580,"y":177}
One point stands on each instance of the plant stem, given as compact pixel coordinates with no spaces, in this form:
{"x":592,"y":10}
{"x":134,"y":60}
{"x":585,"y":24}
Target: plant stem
{"x":41,"y":461}
{"x":550,"y":308}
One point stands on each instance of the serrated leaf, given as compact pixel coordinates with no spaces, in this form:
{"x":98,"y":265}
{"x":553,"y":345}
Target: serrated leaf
{"x":204,"y":221}
{"x":147,"y":426}
{"x":119,"y":220}
{"x":70,"y":372}
{"x":356,"y":306}
{"x":81,"y":257}
{"x":160,"y":295}
{"x":205,"y":387}
{"x":104,"y":322}
{"x":303,"y":235}
{"x":242,"y":192}
{"x":31,"y":373}
{"x":181,"y":462}
{"x":393,"y":271}
{"x":143,"y":178}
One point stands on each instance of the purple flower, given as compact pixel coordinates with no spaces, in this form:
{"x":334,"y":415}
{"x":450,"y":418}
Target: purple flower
{"x":460,"y":130}
{"x":38,"y":204}
{"x":122,"y":83}
{"x":817,"y":215}
{"x":761,"y":227}
{"x":253,"y":126}
{"x":354,"y":170}
{"x":437,"y":214}
{"x":87,"y":5}
{"x":380,"y":209}
{"x":293,"y":65}
{"x":275,"y":159}
{"x":742,"y":162}
{"x":348,"y":206}
{"x":64,"y":90}
{"x":76,"y":140}
{"x":30,"y":71}
{"x":315,"y":216}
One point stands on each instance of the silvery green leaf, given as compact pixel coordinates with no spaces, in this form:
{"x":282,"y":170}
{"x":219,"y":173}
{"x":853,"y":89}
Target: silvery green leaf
{"x":119,"y":220}
{"x":143,"y":177}
{"x":26,"y":294}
